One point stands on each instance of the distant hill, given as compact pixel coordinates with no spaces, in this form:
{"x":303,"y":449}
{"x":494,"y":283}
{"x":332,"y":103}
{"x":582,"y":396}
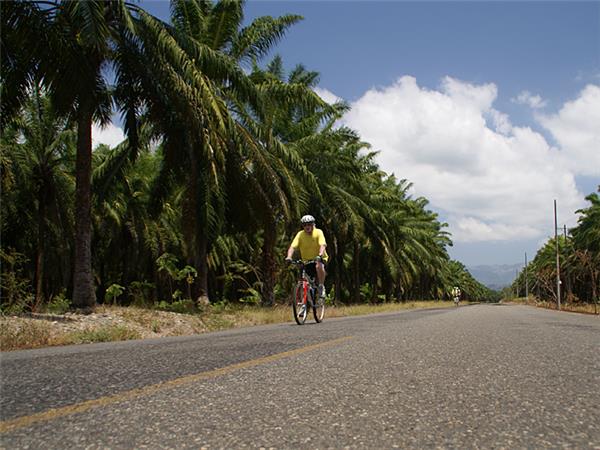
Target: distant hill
{"x":496,"y":276}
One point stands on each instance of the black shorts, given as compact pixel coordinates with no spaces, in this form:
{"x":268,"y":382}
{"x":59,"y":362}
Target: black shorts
{"x":311,"y":268}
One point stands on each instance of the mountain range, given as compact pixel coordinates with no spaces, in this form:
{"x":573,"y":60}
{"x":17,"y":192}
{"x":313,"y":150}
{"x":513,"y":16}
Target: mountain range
{"x":495,"y":276}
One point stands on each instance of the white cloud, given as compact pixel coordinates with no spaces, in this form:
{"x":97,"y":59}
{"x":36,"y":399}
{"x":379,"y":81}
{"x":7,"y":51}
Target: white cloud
{"x":490,"y":179}
{"x":576,"y":128}
{"x":110,"y":135}
{"x":481,"y":231}
{"x":327,"y":96}
{"x":527,"y":98}
{"x":586,"y":76}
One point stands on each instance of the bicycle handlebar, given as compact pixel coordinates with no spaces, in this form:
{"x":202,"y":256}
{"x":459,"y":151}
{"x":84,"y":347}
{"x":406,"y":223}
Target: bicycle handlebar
{"x":298,"y":262}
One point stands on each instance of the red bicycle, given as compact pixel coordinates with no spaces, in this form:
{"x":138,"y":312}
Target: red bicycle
{"x":305,"y":294}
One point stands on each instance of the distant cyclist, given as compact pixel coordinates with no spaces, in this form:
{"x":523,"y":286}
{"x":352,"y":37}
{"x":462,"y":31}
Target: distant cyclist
{"x":311,"y":243}
{"x":456,"y":294}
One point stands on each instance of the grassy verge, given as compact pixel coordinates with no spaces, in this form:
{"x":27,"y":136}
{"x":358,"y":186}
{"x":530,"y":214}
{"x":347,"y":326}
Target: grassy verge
{"x":28,"y":334}
{"x":238,"y":316}
{"x":585,"y":308}
{"x":18,"y":333}
{"x":102,"y":334}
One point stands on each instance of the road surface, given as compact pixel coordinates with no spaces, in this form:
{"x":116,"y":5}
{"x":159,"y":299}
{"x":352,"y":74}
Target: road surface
{"x":481,"y":376}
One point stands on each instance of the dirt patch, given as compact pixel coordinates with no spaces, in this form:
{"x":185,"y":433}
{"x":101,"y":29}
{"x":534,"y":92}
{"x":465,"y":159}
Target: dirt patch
{"x":104,"y":324}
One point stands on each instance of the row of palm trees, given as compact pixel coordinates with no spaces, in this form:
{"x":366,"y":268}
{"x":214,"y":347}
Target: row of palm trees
{"x":221,"y":158}
{"x":579,"y":262}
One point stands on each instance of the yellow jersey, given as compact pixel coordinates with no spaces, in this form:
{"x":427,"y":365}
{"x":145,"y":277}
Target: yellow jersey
{"x":310,"y":243}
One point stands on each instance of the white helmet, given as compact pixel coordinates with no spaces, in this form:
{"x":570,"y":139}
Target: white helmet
{"x":307,"y":219}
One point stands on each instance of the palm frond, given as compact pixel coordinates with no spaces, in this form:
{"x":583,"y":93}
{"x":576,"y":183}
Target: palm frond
{"x":257,"y":39}
{"x":223,"y":22}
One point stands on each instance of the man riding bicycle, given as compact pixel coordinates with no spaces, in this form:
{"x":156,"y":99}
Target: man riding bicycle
{"x":311,"y":243}
{"x":455,"y":294}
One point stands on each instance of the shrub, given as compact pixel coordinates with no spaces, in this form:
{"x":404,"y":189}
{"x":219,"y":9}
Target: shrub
{"x":251,"y":297}
{"x":114,"y":291}
{"x":186,"y":306}
{"x":140,"y":293}
{"x":15,"y":288}
{"x":59,"y":304}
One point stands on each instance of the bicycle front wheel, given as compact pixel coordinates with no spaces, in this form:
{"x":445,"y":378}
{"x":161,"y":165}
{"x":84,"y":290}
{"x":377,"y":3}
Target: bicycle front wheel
{"x":319,"y":308}
{"x":299,"y":304}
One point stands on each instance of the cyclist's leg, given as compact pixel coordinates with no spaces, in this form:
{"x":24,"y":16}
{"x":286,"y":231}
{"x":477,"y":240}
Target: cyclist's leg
{"x":321,"y":274}
{"x":299,"y":306}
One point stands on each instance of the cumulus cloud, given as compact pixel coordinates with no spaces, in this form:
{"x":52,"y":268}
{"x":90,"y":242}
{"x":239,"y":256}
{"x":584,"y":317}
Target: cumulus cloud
{"x":490,"y":179}
{"x":576,"y":129}
{"x":527,"y":98}
{"x":110,"y":135}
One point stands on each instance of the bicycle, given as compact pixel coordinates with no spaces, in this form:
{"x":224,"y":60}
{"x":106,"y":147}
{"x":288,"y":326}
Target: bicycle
{"x":455,"y":295}
{"x":304,"y":294}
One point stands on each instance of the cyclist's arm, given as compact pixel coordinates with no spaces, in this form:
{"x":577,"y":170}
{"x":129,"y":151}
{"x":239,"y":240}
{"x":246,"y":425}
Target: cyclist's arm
{"x":322,"y":250}
{"x":322,"y":243}
{"x":290,"y":252}
{"x":293,"y":246}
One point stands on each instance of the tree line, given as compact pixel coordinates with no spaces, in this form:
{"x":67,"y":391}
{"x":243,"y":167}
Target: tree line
{"x":579,"y":262}
{"x":224,"y":151}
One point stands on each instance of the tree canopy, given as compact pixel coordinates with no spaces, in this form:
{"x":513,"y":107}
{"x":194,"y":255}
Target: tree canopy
{"x":224,"y":152}
{"x":579,"y":262}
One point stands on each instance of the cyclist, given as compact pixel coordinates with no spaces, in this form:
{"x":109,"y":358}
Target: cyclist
{"x":311,"y":243}
{"x":456,"y":294}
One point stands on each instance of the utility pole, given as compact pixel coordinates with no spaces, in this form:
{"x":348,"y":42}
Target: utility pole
{"x":557,"y":259}
{"x":526,"y":282}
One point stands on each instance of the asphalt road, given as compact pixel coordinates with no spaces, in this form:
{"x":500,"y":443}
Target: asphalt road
{"x":483,"y":376}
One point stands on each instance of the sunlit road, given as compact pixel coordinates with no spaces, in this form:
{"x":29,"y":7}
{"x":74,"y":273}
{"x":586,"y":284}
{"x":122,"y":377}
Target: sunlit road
{"x":482,"y":376}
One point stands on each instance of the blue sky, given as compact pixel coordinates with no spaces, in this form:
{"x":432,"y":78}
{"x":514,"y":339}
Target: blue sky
{"x":490,"y":109}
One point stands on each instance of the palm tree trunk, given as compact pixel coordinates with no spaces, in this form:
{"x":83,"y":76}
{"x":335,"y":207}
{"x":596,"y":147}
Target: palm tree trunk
{"x":356,"y":274}
{"x":39,"y":276}
{"x":194,"y":230}
{"x":39,"y":263}
{"x":202,"y":264}
{"x":374,"y":284}
{"x":268,"y":264}
{"x":84,"y":295}
{"x":339,"y":264}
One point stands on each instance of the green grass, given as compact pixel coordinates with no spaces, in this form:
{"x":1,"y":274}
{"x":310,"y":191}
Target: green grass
{"x":102,"y":334}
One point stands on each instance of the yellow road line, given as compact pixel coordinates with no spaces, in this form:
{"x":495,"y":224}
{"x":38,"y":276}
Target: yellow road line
{"x":51,"y":414}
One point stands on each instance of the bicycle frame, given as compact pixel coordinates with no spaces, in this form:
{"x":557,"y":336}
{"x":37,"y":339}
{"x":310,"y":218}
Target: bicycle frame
{"x":307,"y":282}
{"x":304,"y":295}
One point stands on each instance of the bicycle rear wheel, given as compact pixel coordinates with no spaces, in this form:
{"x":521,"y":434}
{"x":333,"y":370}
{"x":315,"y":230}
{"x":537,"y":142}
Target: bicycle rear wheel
{"x":318,"y":307}
{"x":299,"y":304}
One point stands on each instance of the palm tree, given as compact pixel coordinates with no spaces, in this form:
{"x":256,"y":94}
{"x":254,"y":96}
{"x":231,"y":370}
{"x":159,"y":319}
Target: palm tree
{"x":67,"y":45}
{"x":41,"y":146}
{"x":124,"y":239}
{"x":183,"y":83}
{"x":292,"y":118}
{"x":218,"y":26}
{"x":586,"y":247}
{"x":210,"y":138}
{"x":339,"y":202}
